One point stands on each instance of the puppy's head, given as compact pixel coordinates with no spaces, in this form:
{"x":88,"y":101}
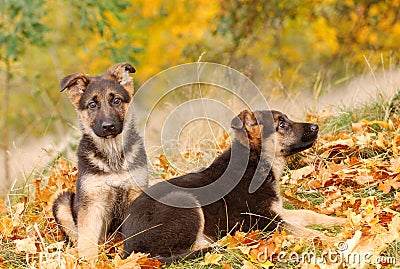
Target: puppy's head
{"x":270,"y":130}
{"x":101,"y":101}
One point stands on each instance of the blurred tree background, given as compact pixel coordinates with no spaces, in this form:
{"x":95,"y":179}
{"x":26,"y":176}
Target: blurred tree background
{"x":282,"y":45}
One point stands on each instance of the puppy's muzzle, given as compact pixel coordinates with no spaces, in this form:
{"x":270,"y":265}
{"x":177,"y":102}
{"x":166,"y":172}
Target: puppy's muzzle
{"x":310,"y":133}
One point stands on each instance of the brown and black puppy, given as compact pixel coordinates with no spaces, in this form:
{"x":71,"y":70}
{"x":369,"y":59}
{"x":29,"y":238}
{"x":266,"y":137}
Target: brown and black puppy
{"x":105,"y":185}
{"x":239,"y":190}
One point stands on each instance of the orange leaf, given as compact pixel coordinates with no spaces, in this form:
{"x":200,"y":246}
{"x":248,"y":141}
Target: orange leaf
{"x":3,"y":209}
{"x":387,"y":185}
{"x":6,"y":226}
{"x":146,"y":263}
{"x":226,"y":266}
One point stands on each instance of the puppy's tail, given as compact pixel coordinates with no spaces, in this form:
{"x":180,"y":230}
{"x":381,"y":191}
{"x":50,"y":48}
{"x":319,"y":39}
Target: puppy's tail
{"x":188,"y":255}
{"x":64,"y":216}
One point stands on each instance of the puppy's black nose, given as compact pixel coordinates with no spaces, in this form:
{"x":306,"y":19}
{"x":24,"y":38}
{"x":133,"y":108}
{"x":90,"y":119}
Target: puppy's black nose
{"x":108,"y":126}
{"x":314,"y":128}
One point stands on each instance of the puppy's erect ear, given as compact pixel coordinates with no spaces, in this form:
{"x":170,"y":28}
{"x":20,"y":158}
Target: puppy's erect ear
{"x":247,"y":131}
{"x":122,"y":73}
{"x":245,"y":118}
{"x":75,"y":85}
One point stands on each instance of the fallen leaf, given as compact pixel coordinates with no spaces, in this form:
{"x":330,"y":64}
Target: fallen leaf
{"x":3,"y":209}
{"x":6,"y":226}
{"x":339,"y":142}
{"x":26,"y":245}
{"x":229,"y":242}
{"x":226,"y":266}
{"x":130,"y":262}
{"x":212,"y":258}
{"x":382,"y":124}
{"x":395,"y":164}
{"x":146,"y":263}
{"x":248,"y":265}
{"x":359,"y":127}
{"x":387,"y":185}
{"x":302,"y":172}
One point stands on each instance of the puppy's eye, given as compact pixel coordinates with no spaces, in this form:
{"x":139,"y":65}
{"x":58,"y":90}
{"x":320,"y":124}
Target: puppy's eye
{"x":92,"y":105}
{"x":117,"y":101}
{"x":282,"y":124}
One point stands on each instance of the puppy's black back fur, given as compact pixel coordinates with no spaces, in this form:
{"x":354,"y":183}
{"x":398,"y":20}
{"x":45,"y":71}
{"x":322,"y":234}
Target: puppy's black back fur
{"x":237,"y":210}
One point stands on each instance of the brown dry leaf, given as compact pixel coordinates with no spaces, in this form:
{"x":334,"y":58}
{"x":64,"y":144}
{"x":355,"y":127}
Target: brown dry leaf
{"x":336,"y":167}
{"x":348,"y":142}
{"x":290,"y":194}
{"x":302,"y":172}
{"x":314,"y":184}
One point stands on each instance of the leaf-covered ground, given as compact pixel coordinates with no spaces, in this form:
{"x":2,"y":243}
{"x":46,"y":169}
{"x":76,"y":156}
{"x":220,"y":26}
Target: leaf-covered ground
{"x":354,"y":174}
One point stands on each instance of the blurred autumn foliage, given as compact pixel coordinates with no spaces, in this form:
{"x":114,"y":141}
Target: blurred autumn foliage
{"x":282,"y":45}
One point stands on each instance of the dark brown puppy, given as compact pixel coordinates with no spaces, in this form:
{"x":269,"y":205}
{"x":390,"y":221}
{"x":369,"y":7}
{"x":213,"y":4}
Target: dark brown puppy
{"x":170,"y":222}
{"x":105,"y":186}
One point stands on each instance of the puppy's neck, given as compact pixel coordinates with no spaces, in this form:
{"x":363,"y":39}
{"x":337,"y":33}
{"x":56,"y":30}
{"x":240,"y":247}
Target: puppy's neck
{"x":270,"y":154}
{"x":113,"y":149}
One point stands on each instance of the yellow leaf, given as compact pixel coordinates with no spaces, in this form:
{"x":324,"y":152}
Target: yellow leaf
{"x":297,"y":248}
{"x":369,"y":209}
{"x":263,"y":262}
{"x":6,"y":226}
{"x":382,"y":124}
{"x":374,"y":221}
{"x":229,"y":242}
{"x":212,"y":258}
